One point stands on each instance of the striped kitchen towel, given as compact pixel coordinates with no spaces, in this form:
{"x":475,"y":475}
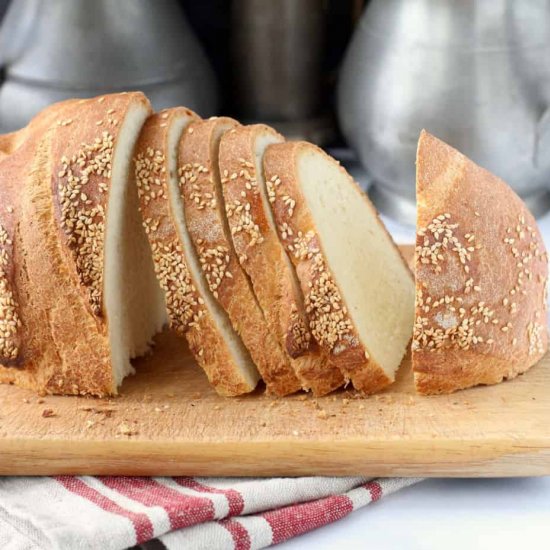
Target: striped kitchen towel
{"x":114,"y":513}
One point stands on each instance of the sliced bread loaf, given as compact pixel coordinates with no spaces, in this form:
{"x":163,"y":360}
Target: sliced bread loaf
{"x":201,"y":192}
{"x":74,"y":306}
{"x":481,"y":273}
{"x":192,"y":309}
{"x":359,"y":292}
{"x":262,"y":256}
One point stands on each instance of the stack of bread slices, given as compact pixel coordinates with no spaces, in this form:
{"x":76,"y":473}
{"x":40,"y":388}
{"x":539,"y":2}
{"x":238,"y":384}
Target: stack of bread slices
{"x":116,"y":222}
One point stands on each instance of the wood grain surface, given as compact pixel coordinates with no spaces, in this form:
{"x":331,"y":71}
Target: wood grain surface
{"x":168,"y":421}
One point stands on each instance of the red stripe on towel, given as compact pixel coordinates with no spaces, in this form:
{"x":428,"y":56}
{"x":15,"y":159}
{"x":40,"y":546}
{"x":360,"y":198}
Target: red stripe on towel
{"x":234,"y":498}
{"x":182,"y":510}
{"x":241,"y":537}
{"x":374,"y":489}
{"x":141,"y":523}
{"x":296,"y":519}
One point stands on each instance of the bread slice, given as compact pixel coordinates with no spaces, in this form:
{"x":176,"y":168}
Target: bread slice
{"x":77,"y":307}
{"x":262,"y":256}
{"x":359,"y":292}
{"x":192,"y":309}
{"x":481,"y":272}
{"x":200,"y":190}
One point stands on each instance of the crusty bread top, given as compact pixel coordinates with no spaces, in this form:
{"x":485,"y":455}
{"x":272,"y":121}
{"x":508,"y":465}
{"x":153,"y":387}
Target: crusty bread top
{"x":53,"y":243}
{"x":151,"y":163}
{"x":80,"y":153}
{"x":481,"y":269}
{"x":83,"y":139}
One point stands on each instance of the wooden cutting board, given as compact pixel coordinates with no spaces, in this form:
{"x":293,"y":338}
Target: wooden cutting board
{"x":168,"y":421}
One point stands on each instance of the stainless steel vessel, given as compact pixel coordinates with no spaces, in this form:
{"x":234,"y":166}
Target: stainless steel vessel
{"x":55,"y":49}
{"x":476,"y":73}
{"x":277,"y":53}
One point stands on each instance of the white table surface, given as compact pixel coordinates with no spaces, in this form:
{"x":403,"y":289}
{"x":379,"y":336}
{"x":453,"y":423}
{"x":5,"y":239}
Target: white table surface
{"x":446,"y":514}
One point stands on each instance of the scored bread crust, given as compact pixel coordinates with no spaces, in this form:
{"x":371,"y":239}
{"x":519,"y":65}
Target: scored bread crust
{"x":207,"y":225}
{"x":58,"y":275}
{"x":481,"y":274}
{"x":298,"y":233}
{"x":264,"y":259}
{"x":188,"y":316}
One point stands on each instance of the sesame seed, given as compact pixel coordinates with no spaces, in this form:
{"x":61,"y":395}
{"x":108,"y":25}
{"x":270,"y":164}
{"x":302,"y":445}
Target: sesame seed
{"x":9,"y":316}
{"x":534,"y":333}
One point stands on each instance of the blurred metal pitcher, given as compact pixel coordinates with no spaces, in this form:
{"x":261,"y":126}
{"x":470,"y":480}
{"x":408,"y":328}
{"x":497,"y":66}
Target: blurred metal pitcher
{"x":55,"y":49}
{"x":476,"y":73}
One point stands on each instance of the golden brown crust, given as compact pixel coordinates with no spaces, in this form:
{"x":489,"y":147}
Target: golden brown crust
{"x":481,"y":272}
{"x":205,"y":218}
{"x":330,"y":323}
{"x":262,"y":255}
{"x":186,"y":310}
{"x":64,"y":344}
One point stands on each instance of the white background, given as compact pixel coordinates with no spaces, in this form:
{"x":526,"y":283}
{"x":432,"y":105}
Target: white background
{"x":446,"y":514}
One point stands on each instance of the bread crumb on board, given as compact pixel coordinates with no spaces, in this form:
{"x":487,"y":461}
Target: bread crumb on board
{"x":126,"y":429}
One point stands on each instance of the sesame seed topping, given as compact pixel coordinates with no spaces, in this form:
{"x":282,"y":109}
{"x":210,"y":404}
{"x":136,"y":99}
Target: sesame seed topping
{"x":83,"y":220}
{"x":440,"y":324}
{"x":150,"y":172}
{"x":189,"y":175}
{"x":534,"y":333}
{"x":241,"y":222}
{"x":184,"y":305}
{"x":9,"y":317}
{"x":328,"y":318}
{"x":214,"y":262}
{"x":439,"y":237}
{"x":182,"y":302}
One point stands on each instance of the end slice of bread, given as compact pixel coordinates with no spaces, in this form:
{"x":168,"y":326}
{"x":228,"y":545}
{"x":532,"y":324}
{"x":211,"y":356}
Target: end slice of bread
{"x":359,"y":292}
{"x":264,"y":259}
{"x":192,"y":309}
{"x":201,"y":192}
{"x":481,"y":275}
{"x":83,"y":309}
